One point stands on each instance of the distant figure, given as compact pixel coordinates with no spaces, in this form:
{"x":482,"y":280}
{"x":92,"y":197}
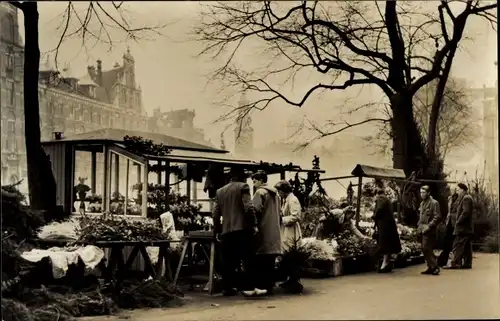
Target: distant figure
{"x":451,"y":220}
{"x":430,"y":216}
{"x":267,"y":208}
{"x":388,"y":238}
{"x":463,"y":232}
{"x":233,"y":204}
{"x":336,"y":222}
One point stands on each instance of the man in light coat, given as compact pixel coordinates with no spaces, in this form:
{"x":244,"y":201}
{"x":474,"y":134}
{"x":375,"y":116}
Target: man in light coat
{"x":430,"y":216}
{"x":267,"y":208}
{"x":233,"y":203}
{"x":463,"y":232}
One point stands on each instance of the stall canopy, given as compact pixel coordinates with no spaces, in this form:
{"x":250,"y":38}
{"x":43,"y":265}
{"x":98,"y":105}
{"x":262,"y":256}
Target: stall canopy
{"x":377,"y":172}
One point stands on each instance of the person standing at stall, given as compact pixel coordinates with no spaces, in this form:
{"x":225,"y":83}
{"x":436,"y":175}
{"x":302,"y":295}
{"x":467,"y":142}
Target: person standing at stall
{"x":267,"y":207}
{"x":388,"y":242}
{"x":451,"y":220}
{"x":430,"y":216}
{"x":233,"y":203}
{"x":291,"y":214}
{"x":463,"y":232}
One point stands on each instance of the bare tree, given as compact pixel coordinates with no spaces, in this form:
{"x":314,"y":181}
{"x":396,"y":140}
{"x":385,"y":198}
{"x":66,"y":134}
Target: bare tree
{"x":41,"y":182}
{"x":398,"y":47}
{"x":457,"y":122}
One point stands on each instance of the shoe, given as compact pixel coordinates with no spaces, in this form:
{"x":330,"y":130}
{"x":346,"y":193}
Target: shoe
{"x":248,"y":293}
{"x":426,"y":272}
{"x":229,"y":292}
{"x":435,"y":271}
{"x":260,"y":292}
{"x":386,"y":269}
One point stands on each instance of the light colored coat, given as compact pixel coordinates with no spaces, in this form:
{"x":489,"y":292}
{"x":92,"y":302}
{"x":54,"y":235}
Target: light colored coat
{"x":291,"y":215}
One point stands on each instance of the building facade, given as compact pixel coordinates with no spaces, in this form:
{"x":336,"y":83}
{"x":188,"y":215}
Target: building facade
{"x":72,"y":104}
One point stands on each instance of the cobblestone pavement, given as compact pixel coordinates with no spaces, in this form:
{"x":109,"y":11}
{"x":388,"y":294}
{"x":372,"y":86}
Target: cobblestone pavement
{"x":404,"y":294}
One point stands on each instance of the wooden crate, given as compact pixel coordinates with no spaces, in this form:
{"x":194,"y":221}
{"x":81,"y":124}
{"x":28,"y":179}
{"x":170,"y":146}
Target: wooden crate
{"x":322,"y":268}
{"x":355,"y":264}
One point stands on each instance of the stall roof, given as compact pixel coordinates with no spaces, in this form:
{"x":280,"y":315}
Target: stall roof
{"x":117,"y":135}
{"x":228,"y":159}
{"x":378,"y":172}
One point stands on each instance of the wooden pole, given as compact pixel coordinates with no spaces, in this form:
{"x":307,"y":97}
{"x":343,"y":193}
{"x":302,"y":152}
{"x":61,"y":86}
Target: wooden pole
{"x":167,"y":182}
{"x":358,"y":200}
{"x":108,"y":184}
{"x":105,"y":180}
{"x":145,"y":190}
{"x":126,"y":187}
{"x":282,"y":176}
{"x":117,"y":173}
{"x":188,"y":190}
{"x":159,"y":173}
{"x":93,"y":165}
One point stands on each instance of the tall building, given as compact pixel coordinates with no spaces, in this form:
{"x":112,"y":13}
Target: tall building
{"x":68,"y":103}
{"x":243,"y":132}
{"x":13,"y":154}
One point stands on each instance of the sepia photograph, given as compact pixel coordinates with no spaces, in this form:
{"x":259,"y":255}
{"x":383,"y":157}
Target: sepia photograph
{"x":249,"y":160}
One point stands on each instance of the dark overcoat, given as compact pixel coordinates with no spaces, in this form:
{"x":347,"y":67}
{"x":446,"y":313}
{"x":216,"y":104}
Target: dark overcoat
{"x":464,"y":224}
{"x":388,"y":237}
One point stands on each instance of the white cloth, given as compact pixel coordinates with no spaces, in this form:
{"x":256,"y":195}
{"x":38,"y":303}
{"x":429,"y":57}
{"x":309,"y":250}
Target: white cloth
{"x":168,"y":226}
{"x":61,"y":258}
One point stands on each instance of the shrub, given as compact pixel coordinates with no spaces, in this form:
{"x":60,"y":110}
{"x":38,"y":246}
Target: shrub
{"x":486,"y":214}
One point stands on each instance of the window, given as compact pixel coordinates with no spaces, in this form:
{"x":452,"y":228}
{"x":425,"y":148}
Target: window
{"x":12,"y":94}
{"x":10,"y":61}
{"x":11,"y":132}
{"x":7,"y":26}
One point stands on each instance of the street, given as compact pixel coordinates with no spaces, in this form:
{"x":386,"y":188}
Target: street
{"x":404,"y":294}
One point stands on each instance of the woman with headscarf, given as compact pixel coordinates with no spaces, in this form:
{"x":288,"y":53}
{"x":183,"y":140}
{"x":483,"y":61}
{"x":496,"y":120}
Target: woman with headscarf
{"x":387,"y":231}
{"x":291,"y":234}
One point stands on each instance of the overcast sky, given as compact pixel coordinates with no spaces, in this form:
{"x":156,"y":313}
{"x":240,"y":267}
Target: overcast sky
{"x":172,"y":77}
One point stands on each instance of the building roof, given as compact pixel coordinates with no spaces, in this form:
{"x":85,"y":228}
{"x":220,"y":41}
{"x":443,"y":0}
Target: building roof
{"x":117,"y":135}
{"x":87,"y":81}
{"x":378,"y":172}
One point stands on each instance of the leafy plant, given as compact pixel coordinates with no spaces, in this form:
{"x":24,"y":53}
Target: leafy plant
{"x":140,"y":145}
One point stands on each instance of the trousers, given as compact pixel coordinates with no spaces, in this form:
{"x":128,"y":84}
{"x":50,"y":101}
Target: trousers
{"x":264,"y":269}
{"x":447,"y":246}
{"x":236,"y":255}
{"x":462,"y":251}
{"x":428,"y":242}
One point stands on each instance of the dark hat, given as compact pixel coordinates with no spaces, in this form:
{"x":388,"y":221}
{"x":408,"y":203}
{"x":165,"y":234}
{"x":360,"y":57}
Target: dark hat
{"x":462,"y":186}
{"x":284,"y":186}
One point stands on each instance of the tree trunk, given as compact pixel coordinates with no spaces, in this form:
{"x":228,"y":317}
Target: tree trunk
{"x":406,"y":140}
{"x":41,"y":182}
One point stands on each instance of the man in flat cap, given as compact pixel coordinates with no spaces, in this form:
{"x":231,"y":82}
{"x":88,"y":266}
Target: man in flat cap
{"x":463,"y":232}
{"x":430,"y":216}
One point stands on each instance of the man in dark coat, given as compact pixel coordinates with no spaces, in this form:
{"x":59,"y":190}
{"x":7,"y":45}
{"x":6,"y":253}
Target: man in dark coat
{"x":234,"y":204}
{"x":388,"y":238}
{"x":451,"y":219}
{"x":430,"y":216}
{"x":463,"y":232}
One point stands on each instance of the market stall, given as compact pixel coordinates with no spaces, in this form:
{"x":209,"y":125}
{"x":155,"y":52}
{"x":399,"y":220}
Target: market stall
{"x":162,"y":164}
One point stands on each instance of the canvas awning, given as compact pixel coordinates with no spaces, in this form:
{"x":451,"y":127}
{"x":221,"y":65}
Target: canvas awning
{"x":378,"y":172}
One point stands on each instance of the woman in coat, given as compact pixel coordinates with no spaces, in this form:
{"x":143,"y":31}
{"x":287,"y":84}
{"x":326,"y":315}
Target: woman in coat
{"x":291,"y":234}
{"x":290,"y":215}
{"x":388,"y":238}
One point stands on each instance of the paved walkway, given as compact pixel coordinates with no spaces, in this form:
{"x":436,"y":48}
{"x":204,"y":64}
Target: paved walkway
{"x":404,"y":294}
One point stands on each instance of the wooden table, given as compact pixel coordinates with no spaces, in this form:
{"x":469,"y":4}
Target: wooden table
{"x":200,"y":237}
{"x":117,"y":265}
